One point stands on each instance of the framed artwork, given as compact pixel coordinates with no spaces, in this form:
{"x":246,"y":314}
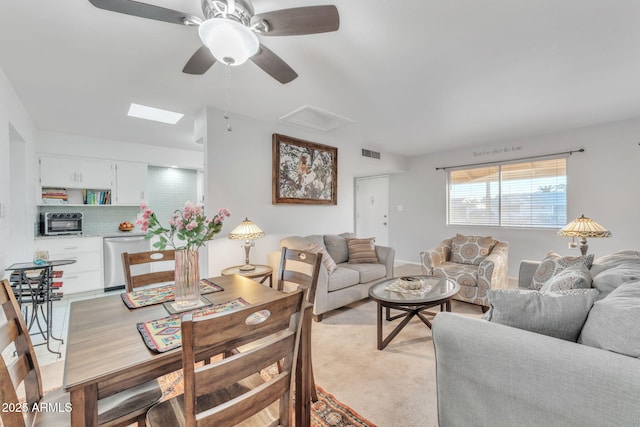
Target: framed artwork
{"x":304,"y":172}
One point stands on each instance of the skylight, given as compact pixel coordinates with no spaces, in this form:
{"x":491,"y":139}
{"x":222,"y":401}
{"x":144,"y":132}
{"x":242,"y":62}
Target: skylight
{"x":155,"y":114}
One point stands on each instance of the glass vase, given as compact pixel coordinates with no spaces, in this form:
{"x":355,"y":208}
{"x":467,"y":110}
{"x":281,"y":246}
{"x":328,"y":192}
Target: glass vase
{"x":187,"y":284}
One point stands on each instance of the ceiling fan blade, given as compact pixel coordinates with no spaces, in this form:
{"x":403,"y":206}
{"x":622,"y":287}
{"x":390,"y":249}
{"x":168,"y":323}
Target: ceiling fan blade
{"x":273,"y":65}
{"x":199,"y":62}
{"x":144,"y":10}
{"x":299,"y":20}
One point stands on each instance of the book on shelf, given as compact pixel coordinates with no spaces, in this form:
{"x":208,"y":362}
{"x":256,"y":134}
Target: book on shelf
{"x":92,"y":197}
{"x":55,"y":196}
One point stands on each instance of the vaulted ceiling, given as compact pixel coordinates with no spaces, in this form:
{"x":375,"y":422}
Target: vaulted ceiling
{"x":415,"y":76}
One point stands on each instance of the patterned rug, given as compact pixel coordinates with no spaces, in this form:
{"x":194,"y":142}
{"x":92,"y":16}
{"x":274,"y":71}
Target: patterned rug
{"x":326,"y":412}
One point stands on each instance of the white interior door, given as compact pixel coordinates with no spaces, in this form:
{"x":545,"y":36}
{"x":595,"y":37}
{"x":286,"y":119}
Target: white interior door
{"x":372,"y":208}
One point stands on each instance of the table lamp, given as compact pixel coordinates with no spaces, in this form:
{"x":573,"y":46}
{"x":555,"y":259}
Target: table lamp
{"x":583,"y":227}
{"x":248,"y":232}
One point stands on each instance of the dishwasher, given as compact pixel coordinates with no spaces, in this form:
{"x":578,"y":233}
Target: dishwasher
{"x":114,"y":247}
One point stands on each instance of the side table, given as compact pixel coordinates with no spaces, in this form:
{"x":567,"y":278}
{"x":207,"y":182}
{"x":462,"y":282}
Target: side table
{"x":260,"y":274}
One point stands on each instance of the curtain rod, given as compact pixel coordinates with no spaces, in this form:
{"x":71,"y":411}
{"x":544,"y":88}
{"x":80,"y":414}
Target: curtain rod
{"x":581,"y":150}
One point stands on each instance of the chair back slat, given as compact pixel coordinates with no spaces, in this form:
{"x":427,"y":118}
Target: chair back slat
{"x":21,"y":368}
{"x":8,"y":334}
{"x":148,"y":257}
{"x":248,"y":404}
{"x":302,"y":268}
{"x":231,"y":330}
{"x":273,"y":329}
{"x":154,"y":277}
{"x":253,"y":360}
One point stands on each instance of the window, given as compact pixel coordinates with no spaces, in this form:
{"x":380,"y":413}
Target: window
{"x":530,"y":194}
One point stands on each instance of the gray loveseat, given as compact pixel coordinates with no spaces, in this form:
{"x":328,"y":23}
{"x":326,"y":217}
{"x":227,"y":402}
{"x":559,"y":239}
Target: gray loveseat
{"x":489,"y":374}
{"x":348,"y":282}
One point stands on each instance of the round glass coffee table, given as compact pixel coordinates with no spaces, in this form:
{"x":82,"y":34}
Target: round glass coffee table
{"x":389,"y":294}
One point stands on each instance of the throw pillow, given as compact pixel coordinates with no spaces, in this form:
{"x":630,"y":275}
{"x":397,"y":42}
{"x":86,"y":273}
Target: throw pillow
{"x":362,"y":251}
{"x":327,"y":261}
{"x":337,"y":246}
{"x":556,"y":314}
{"x":471,"y":249}
{"x":613,"y":321}
{"x":569,"y":278}
{"x":553,"y":264}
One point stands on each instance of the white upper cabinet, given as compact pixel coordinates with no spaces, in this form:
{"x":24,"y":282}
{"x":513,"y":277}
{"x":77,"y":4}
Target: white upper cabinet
{"x":131,"y":183}
{"x":70,"y":172}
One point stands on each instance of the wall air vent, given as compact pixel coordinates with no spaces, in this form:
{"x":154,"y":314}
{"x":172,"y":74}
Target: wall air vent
{"x":370,"y":153}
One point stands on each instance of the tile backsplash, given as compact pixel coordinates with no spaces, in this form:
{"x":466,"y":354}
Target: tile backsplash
{"x":167,"y":190}
{"x":96,"y":219}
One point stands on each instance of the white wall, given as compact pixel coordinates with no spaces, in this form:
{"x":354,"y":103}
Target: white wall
{"x":602,"y":183}
{"x":83,"y":146}
{"x":16,"y":125}
{"x":238,"y":177}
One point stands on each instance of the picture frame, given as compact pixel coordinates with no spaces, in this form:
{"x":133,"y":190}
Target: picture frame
{"x":303,"y":172}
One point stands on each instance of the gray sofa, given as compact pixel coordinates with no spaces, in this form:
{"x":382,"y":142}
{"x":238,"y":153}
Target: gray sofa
{"x":348,"y":282}
{"x":490,"y":374}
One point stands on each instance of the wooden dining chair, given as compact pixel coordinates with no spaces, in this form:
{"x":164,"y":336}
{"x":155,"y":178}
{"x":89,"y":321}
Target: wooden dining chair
{"x":302,"y":269}
{"x":150,"y":257}
{"x":231,"y":390}
{"x":21,"y":382}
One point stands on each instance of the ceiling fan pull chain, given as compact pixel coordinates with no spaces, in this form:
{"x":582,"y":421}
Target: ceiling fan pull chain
{"x":227,"y":114}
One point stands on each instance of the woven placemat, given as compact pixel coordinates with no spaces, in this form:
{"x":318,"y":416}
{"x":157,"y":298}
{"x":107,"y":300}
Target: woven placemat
{"x":165,"y":334}
{"x":161,"y":294}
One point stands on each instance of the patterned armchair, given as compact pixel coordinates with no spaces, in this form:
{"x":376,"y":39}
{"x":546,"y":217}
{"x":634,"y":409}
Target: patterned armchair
{"x":476,"y":263}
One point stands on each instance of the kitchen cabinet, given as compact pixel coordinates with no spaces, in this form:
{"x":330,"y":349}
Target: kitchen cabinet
{"x":76,"y":172}
{"x":86,"y":273}
{"x":131,"y":183}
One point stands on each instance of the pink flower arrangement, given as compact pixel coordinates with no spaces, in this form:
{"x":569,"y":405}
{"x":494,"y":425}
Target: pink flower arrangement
{"x":188,"y":225}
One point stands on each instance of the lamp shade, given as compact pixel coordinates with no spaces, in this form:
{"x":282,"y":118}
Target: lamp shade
{"x":584,"y":227}
{"x":229,"y":41}
{"x":247,"y":230}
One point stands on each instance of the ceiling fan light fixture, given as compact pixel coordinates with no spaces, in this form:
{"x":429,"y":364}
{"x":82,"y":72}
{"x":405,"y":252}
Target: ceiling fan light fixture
{"x":229,"y":41}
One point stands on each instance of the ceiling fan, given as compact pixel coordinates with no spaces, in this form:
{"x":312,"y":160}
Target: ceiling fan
{"x":228,"y":30}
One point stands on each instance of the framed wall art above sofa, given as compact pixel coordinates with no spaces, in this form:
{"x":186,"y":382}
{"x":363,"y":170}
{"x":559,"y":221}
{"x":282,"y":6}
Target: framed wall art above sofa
{"x":304,"y":172}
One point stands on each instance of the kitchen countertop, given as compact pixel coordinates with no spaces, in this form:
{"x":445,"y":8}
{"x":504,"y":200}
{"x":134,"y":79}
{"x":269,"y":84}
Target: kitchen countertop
{"x":108,"y":234}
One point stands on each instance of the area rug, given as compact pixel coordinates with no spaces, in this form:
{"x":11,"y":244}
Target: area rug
{"x":326,"y":412}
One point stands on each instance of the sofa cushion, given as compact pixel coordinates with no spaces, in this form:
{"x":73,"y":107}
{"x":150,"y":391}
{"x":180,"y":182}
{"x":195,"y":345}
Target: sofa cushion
{"x":464,"y":274}
{"x":553,"y":264}
{"x":301,"y":242}
{"x":471,"y":249}
{"x":558,"y":314}
{"x":336,"y":245}
{"x":613,"y":321}
{"x":368,"y":272}
{"x":569,"y":278}
{"x":327,"y":261}
{"x":609,"y":280}
{"x":343,"y":277}
{"x":362,"y":251}
{"x":615,"y":259}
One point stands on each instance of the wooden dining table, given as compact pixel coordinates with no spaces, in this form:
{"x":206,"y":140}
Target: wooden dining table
{"x":106,"y":353}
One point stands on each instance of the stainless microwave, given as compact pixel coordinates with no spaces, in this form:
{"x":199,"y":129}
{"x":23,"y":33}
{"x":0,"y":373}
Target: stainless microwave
{"x":57,"y":223}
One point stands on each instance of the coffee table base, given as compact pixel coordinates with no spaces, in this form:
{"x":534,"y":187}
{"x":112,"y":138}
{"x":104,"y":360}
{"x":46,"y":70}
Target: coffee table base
{"x":409,"y":312}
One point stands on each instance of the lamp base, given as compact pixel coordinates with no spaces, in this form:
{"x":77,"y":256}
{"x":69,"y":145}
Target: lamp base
{"x":247,"y":267}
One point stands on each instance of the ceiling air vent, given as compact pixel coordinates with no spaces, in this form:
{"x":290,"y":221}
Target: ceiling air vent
{"x":315,"y":118}
{"x":370,"y":153}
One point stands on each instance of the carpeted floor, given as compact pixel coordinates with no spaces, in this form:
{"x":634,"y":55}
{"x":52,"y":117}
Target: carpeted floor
{"x":394,"y":387}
